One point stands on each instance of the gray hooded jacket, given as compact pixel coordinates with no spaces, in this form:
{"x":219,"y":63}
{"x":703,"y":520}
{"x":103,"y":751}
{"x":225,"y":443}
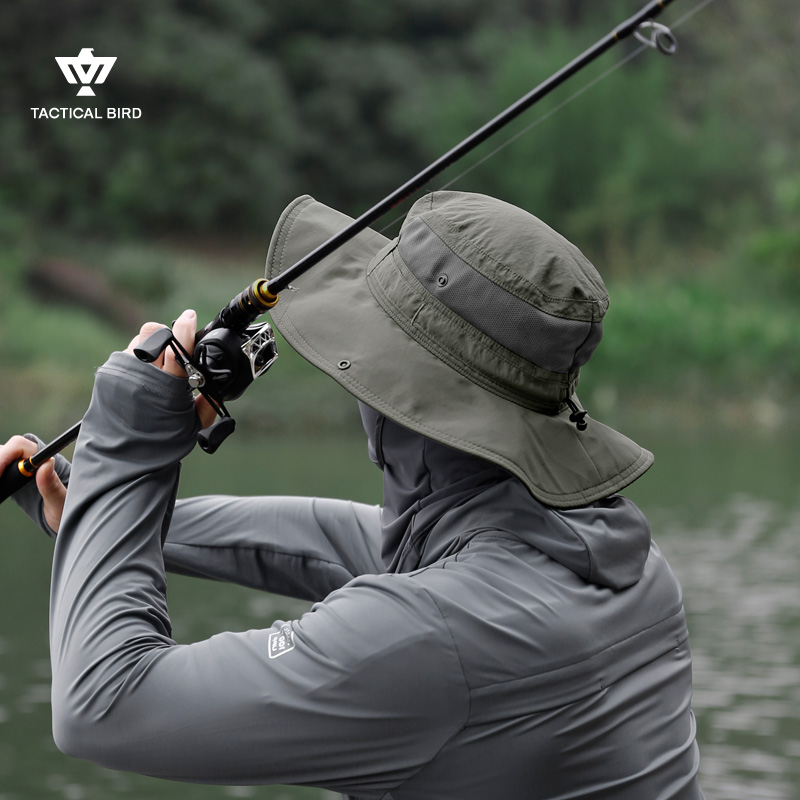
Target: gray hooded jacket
{"x":469,"y":643}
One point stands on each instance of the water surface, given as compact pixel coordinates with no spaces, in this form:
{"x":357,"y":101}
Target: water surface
{"x":723,"y":508}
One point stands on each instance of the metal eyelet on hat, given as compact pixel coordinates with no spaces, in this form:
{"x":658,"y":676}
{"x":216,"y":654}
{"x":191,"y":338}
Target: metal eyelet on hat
{"x":344,"y":364}
{"x":442,"y":280}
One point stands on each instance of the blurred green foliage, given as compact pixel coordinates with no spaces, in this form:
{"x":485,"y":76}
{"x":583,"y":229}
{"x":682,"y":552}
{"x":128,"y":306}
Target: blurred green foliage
{"x":775,"y":249}
{"x":246,"y":104}
{"x":678,"y":177}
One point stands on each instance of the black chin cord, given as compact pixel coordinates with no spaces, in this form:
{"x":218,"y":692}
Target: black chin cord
{"x":577,"y":416}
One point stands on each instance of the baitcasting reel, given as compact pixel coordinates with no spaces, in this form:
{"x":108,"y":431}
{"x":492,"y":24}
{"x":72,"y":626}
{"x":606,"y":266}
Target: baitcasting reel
{"x":229,"y":354}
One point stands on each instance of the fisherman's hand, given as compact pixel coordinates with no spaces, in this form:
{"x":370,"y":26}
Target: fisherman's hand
{"x":184,"y":330}
{"x":48,"y":483}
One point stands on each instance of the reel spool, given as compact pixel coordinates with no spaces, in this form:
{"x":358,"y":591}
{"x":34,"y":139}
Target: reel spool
{"x":231,"y":361}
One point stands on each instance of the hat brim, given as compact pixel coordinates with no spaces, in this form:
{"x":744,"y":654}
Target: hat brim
{"x":330,"y":316}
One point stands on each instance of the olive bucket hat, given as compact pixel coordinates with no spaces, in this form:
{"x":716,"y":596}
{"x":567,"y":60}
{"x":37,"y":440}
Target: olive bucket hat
{"x":469,"y":328}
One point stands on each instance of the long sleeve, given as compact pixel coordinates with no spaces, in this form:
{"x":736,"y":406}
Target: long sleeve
{"x":358,"y":695}
{"x":296,"y":546}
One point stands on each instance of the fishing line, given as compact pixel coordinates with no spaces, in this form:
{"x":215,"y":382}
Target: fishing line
{"x":621,"y":63}
{"x":549,"y":114}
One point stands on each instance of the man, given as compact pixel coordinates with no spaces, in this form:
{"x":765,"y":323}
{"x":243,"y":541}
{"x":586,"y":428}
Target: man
{"x":503,"y":627}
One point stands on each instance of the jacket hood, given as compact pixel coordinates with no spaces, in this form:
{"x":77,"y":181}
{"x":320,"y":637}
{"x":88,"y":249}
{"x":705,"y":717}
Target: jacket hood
{"x":437,"y":498}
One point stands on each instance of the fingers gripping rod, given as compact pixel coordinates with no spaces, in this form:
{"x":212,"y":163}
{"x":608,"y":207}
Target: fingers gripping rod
{"x":19,"y":473}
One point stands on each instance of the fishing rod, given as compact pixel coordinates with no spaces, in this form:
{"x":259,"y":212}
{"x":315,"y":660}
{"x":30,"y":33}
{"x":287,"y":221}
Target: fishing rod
{"x":231,"y":351}
{"x":18,"y":473}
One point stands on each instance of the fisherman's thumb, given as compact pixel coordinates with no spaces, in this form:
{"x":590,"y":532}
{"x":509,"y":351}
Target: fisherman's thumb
{"x":53,"y":493}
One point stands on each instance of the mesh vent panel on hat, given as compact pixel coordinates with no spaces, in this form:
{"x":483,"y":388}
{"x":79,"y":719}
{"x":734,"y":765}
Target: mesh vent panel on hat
{"x":559,"y":345}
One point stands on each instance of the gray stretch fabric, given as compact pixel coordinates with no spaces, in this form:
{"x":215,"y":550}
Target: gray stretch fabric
{"x":530,"y":654}
{"x":559,"y":345}
{"x":302,"y":547}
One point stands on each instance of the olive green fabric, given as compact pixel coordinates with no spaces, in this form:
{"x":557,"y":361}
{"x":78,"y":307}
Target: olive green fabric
{"x":363,"y":317}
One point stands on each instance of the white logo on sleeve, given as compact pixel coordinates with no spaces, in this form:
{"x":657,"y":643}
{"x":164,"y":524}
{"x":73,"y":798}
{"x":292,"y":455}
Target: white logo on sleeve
{"x":281,"y":641}
{"x":88,"y":69}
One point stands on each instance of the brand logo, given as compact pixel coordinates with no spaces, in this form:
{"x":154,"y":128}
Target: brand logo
{"x":282,"y":641}
{"x":88,"y":69}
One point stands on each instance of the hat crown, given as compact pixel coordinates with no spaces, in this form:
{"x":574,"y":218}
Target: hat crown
{"x":517,"y":251}
{"x":495,"y":293}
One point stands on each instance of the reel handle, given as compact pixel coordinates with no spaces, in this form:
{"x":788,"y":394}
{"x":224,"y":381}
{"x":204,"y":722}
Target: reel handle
{"x":214,"y":435}
{"x":153,"y":346}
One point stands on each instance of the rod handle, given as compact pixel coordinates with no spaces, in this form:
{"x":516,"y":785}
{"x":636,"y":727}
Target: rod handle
{"x":243,"y":310}
{"x":18,"y":473}
{"x":14,"y":477}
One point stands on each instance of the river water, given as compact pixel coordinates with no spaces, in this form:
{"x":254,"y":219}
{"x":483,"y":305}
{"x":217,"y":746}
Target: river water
{"x":723,"y":507}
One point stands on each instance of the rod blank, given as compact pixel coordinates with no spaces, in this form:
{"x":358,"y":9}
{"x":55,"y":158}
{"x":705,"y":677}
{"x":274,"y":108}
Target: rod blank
{"x":622,"y":31}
